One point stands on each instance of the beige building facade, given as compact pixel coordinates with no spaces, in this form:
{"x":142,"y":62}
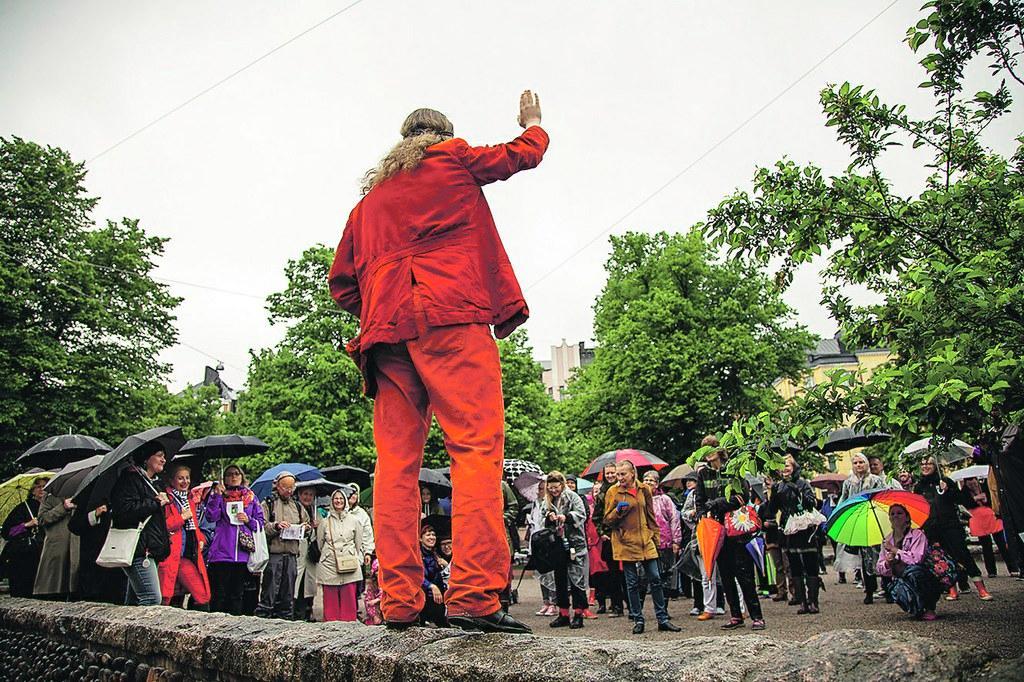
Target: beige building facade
{"x":566,"y":358}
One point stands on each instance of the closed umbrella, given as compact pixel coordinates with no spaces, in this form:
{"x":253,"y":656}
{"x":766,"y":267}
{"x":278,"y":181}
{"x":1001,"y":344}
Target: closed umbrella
{"x":710,"y":538}
{"x":95,"y":487}
{"x":640,"y":459}
{"x":67,"y":480}
{"x":56,"y":451}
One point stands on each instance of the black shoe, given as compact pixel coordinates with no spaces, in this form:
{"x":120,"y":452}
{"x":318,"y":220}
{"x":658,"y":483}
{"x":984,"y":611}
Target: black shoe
{"x":669,"y":627}
{"x":616,"y":613}
{"x":499,"y":621}
{"x":601,"y":609}
{"x":869,"y":598}
{"x":559,"y":622}
{"x":400,"y":625}
{"x":638,"y":628}
{"x":577,"y":622}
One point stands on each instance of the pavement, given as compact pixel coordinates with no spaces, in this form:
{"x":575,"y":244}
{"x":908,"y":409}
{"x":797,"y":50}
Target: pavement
{"x":993,"y":626}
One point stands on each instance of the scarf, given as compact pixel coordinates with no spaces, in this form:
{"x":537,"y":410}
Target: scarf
{"x":181,"y":497}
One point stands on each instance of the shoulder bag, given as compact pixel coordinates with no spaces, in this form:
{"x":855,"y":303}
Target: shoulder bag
{"x":119,"y":546}
{"x":346,"y":563}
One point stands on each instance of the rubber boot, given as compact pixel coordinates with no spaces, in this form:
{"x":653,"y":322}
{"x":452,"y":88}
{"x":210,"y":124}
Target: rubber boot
{"x":813,"y":584}
{"x":983,"y":594}
{"x":799,"y":585}
{"x":870,"y":585}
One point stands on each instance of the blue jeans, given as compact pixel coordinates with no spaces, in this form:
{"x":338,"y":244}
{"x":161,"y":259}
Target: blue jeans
{"x":143,"y":583}
{"x":654,"y":583}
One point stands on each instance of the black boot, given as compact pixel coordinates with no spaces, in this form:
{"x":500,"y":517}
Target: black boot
{"x":813,"y":584}
{"x":870,"y":585}
{"x":560,"y":622}
{"x":799,"y":592}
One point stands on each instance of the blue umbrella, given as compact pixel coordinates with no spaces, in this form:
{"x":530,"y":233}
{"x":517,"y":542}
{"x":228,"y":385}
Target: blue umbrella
{"x":756,"y":549}
{"x":264,"y":485}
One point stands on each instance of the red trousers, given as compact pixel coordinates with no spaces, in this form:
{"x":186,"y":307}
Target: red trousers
{"x":453,"y":373}
{"x":191,"y":582}
{"x":340,"y":602}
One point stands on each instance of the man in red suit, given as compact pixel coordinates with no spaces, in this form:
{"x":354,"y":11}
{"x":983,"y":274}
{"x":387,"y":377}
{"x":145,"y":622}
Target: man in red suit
{"x":422,"y":265}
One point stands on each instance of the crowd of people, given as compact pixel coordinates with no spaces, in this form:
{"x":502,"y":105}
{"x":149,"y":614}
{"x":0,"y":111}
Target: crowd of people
{"x":625,"y":538}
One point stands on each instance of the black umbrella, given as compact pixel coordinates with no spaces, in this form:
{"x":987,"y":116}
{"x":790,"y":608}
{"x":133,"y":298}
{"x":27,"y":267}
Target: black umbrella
{"x":848,"y":439}
{"x":343,"y":473}
{"x":198,"y":451}
{"x":95,"y":488}
{"x":67,"y":480}
{"x":322,"y":486}
{"x":56,"y":451}
{"x":441,"y":524}
{"x":438,"y":483}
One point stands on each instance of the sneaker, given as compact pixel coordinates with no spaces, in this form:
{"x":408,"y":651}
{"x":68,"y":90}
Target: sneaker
{"x":733,"y":624}
{"x":929,"y":616}
{"x":953,"y":595}
{"x":588,"y":614}
{"x":543,"y":611}
{"x":560,"y":622}
{"x":552,"y":610}
{"x":984,"y":594}
{"x":719,"y":611}
{"x":577,"y":621}
{"x":757,"y":625}
{"x":705,"y":616}
{"x":694,"y":611}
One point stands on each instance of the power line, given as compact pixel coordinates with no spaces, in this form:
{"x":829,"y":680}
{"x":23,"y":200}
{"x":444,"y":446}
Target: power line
{"x":209,"y":355}
{"x":222,"y":81}
{"x":710,"y":149}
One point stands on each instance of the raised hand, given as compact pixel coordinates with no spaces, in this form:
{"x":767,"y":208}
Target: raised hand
{"x":529,"y":109}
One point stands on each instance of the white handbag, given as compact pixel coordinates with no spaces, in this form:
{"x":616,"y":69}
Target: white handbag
{"x":119,"y":547}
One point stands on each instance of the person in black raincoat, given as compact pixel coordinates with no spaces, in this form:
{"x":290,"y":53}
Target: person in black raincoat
{"x":24,"y":542}
{"x":791,"y":496}
{"x":943,"y":525}
{"x":137,"y":497}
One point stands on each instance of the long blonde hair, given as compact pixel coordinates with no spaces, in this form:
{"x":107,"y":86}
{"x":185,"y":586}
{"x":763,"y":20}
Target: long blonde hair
{"x":421,"y":129}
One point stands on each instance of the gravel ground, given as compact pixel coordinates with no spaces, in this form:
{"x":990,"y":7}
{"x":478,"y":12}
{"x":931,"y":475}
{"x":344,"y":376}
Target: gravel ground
{"x":994,"y":626}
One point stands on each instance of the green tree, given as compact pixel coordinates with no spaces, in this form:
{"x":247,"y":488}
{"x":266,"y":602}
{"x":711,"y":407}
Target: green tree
{"x":685,"y":343}
{"x":304,"y":396}
{"x":82,"y":320}
{"x":944,"y":260}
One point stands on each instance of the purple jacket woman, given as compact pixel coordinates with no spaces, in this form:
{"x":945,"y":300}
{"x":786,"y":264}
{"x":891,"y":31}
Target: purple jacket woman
{"x":226,"y":558}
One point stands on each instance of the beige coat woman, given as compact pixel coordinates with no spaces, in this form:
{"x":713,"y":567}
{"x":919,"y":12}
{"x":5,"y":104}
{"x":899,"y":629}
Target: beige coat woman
{"x":634,"y":534}
{"x":58,"y":564}
{"x":339,"y":535}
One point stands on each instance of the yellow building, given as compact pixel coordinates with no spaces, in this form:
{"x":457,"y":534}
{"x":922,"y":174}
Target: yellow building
{"x":828,"y":355}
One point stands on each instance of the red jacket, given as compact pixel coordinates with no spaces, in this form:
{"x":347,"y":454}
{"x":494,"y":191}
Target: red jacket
{"x":432,"y":226}
{"x":168,"y":568}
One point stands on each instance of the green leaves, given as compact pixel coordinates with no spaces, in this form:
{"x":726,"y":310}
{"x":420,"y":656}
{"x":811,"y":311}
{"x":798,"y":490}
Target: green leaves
{"x":685,"y":342}
{"x":82,"y":321}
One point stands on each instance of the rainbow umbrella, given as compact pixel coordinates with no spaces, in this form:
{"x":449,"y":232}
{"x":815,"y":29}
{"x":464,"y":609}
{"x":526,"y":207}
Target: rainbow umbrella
{"x":710,"y":538}
{"x":863,"y":520}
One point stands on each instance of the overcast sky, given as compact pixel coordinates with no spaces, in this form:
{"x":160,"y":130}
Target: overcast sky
{"x":261,"y":167}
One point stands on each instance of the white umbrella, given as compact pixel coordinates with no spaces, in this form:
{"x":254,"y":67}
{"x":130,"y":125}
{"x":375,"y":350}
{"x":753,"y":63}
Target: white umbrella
{"x":976,"y":471}
{"x":954,"y":452}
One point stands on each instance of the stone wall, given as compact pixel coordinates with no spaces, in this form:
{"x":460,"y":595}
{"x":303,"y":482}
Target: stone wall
{"x":45,"y":640}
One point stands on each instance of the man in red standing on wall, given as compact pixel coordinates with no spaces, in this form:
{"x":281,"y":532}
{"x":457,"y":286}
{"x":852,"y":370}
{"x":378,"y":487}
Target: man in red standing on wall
{"x":422,"y":265}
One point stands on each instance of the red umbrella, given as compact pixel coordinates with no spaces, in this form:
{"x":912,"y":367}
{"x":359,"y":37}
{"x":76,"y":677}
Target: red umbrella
{"x":710,"y":538}
{"x":639,"y":458}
